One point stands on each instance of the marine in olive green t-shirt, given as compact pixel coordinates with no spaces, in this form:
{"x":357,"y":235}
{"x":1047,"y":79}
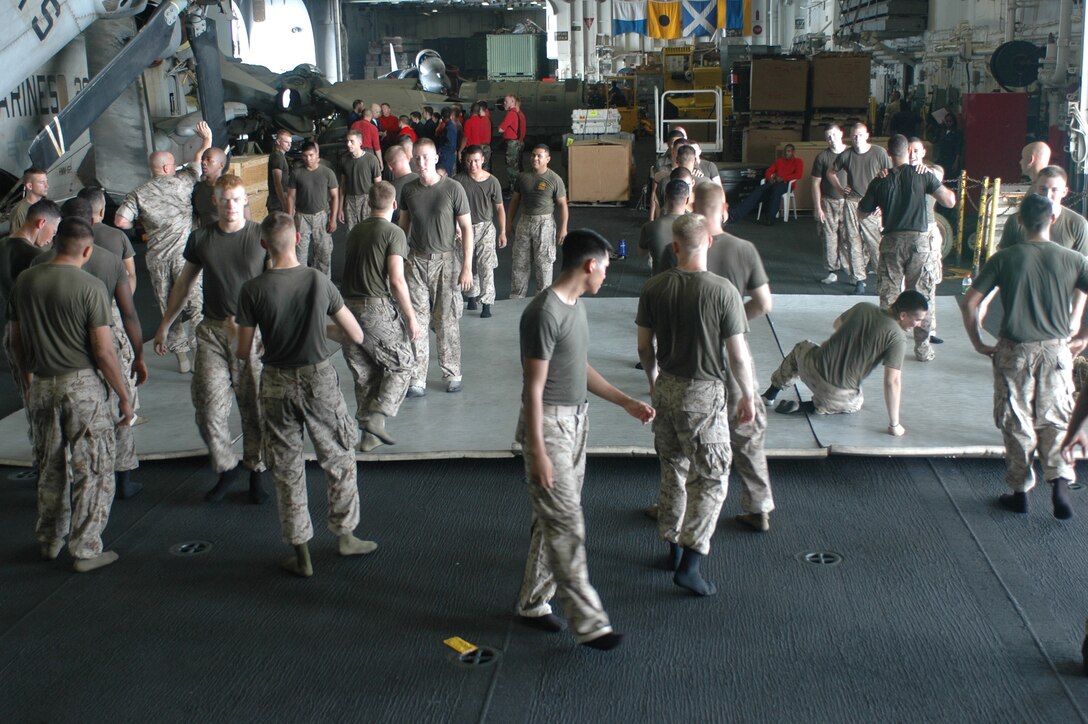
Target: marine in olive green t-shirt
{"x":539,"y":192}
{"x":16,"y":256}
{"x":359,"y":173}
{"x":57,"y":306}
{"x":656,"y":238}
{"x":291,"y":307}
{"x":228,"y":261}
{"x":1036,"y":280}
{"x":691,"y":315}
{"x":483,"y":196}
{"x":866,"y":337}
{"x":113,"y":240}
{"x":1070,"y":230}
{"x":434,"y":210}
{"x":204,"y":207}
{"x":277,"y":162}
{"x":312,"y":188}
{"x":369,"y":246}
{"x":557,"y":332}
{"x":103,"y":265}
{"x":862,"y":168}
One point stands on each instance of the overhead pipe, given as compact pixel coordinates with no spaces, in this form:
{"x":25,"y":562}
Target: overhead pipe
{"x":1065,"y":24}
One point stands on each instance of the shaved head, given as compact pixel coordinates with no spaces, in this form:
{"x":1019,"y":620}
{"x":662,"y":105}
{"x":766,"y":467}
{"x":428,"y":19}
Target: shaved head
{"x":1034,"y":158}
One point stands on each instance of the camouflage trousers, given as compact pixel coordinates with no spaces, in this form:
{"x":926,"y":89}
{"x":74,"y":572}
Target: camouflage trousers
{"x":485,"y":149}
{"x":907,"y":261}
{"x":691,"y":437}
{"x":309,"y":397}
{"x":20,"y":382}
{"x":382,"y":365}
{"x":73,"y":448}
{"x":438,"y":305}
{"x":124,"y":441}
{"x":164,"y":271}
{"x":513,"y":160}
{"x":862,"y":238}
{"x":356,"y":208}
{"x":832,"y":235}
{"x":219,"y":378}
{"x":828,"y":399}
{"x":556,"y":564}
{"x":315,"y":242}
{"x":534,"y":246}
{"x":1033,"y":401}
{"x":749,"y":456}
{"x":485,"y":260}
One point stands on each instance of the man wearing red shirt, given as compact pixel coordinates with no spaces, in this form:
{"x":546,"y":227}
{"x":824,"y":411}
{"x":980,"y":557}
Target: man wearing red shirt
{"x":389,"y":125}
{"x":406,"y":129}
{"x":513,"y":132}
{"x":776,"y":182}
{"x":477,"y":132}
{"x":366,"y":127}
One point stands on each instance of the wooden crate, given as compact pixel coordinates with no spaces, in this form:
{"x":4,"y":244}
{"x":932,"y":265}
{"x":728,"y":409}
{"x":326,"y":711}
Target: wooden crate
{"x":253,"y":170}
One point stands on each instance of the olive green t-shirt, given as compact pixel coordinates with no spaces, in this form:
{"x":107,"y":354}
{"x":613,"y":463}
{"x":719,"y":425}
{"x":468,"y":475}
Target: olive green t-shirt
{"x":1070,"y":231}
{"x":656,"y":239}
{"x":103,"y":265}
{"x":291,"y":307}
{"x":398,"y":186}
{"x":16,"y":256}
{"x":434,"y":210}
{"x":277,"y":162}
{"x":820,"y":167}
{"x":691,"y":314}
{"x":228,"y":261}
{"x":558,"y":332}
{"x":312,"y":188}
{"x":1036,"y":281}
{"x":56,"y":307}
{"x":204,"y":207}
{"x":369,"y":246}
{"x":359,"y":173}
{"x":901,"y":197}
{"x":862,"y":168}
{"x":114,"y":240}
{"x":738,"y":261}
{"x":709,"y":169}
{"x":866,"y":337}
{"x":539,"y":192}
{"x":483,"y":196}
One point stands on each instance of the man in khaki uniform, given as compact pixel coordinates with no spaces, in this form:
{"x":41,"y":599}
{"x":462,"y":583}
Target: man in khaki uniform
{"x":488,"y":213}
{"x":1039,"y":283}
{"x":291,"y":306}
{"x":60,"y":333}
{"x":686,"y":317}
{"x":163,"y":207}
{"x":229,"y":253}
{"x":359,"y":171}
{"x":433,"y":209}
{"x":313,"y":198}
{"x":537,"y":195}
{"x":553,"y":430}
{"x":375,"y":291}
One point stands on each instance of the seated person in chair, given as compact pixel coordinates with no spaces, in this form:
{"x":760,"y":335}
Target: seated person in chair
{"x":776,"y":181}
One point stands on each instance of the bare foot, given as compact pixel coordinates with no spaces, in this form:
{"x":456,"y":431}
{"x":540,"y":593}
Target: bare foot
{"x":349,"y":545}
{"x":89,"y":564}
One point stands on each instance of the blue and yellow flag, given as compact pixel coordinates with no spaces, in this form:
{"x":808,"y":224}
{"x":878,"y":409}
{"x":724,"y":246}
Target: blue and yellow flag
{"x":735,"y":17}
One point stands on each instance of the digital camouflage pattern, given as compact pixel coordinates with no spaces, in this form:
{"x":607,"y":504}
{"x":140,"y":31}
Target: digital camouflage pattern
{"x":382,"y":366}
{"x":828,"y":399}
{"x":438,"y":305}
{"x":534,"y":247}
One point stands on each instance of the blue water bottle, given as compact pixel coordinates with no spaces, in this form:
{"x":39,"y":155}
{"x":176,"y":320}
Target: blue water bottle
{"x":622,"y":251}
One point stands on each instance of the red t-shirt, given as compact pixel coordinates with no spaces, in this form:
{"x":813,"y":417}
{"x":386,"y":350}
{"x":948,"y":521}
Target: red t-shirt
{"x":477,"y":131}
{"x":406,"y":131}
{"x":389,"y":125}
{"x":787,"y":169}
{"x":370,"y":135}
{"x":513,"y":126}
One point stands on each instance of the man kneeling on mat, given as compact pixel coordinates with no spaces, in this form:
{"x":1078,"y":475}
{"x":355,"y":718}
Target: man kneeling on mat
{"x":864,"y":336}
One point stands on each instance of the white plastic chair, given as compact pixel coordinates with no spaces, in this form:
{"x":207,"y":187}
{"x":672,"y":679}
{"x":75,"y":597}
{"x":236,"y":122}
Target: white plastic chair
{"x":788,"y":201}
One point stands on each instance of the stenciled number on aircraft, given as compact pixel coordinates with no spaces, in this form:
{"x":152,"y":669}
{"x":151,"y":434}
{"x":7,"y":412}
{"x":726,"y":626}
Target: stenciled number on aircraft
{"x":45,"y":17}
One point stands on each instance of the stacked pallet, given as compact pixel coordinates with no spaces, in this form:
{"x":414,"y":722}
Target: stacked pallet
{"x":778,"y":100}
{"x":840,"y":92}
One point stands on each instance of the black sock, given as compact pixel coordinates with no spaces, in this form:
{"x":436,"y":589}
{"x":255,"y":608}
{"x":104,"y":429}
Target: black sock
{"x":808,"y":406}
{"x":124,"y":488}
{"x":548,"y":622}
{"x":226,"y":480}
{"x":771,"y":393}
{"x":1015,"y":502}
{"x":689,"y":577}
{"x":256,"y":488}
{"x":605,"y":643}
{"x":1059,"y":496}
{"x":672,"y":558}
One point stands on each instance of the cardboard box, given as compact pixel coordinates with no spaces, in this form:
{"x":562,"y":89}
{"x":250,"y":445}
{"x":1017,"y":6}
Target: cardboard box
{"x":599,"y":170}
{"x":779,"y":84}
{"x":258,"y":205}
{"x":252,"y":169}
{"x":840,"y":81}
{"x":760,"y":143}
